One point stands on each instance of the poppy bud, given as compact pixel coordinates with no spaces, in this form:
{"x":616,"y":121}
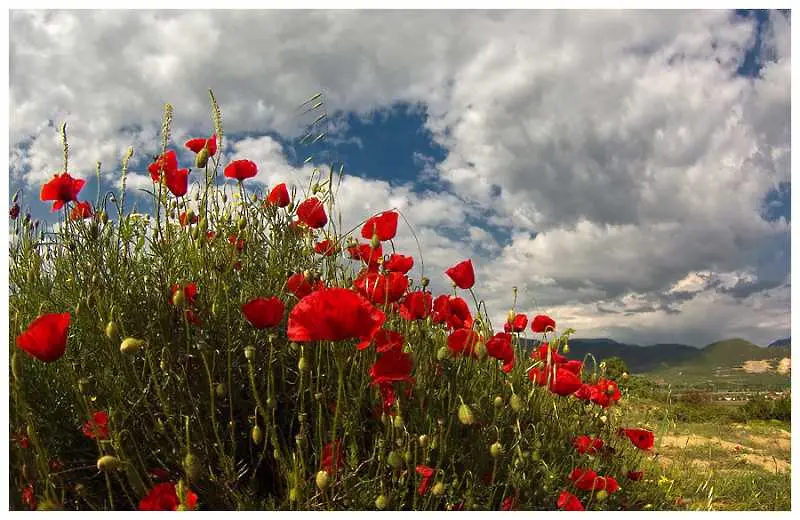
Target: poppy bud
{"x":398,"y":422}
{"x":480,"y":350}
{"x":381,"y":502}
{"x":201,"y":160}
{"x":220,"y":390}
{"x":178,"y":298}
{"x":496,"y":449}
{"x":16,"y":366}
{"x":443,"y":353}
{"x":565,"y":349}
{"x":256,"y":434}
{"x":394,"y":459}
{"x":375,"y":242}
{"x":323,"y":480}
{"x":438,"y":489}
{"x":112,"y":329}
{"x":302,"y":365}
{"x":498,"y":402}
{"x":601,"y":495}
{"x":250,"y":352}
{"x":423,"y":440}
{"x":511,"y":316}
{"x":129,"y":345}
{"x":516,"y":403}
{"x":465,"y":415}
{"x":295,"y":494}
{"x":242,"y":223}
{"x":108,"y":463}
{"x":192,"y":466}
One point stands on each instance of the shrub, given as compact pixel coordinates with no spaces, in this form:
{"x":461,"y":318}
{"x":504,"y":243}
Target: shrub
{"x":234,"y":350}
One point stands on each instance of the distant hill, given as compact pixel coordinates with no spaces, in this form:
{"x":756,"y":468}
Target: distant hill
{"x":735,"y":361}
{"x":785,"y":342}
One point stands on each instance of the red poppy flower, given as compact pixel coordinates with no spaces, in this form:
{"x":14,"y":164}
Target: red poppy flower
{"x":334,"y":314}
{"x":383,"y":224}
{"x":608,"y":484}
{"x":62,"y":188}
{"x":325,"y":248}
{"x":210,"y":235}
{"x":29,"y":497}
{"x":241,"y":170}
{"x":382,"y":288}
{"x":366,"y":253}
{"x":279,"y":196}
{"x":635,"y":475}
{"x":184,"y":220}
{"x":426,"y":473}
{"x":584,"y":393}
{"x":542,"y":323}
{"x":178,"y":182}
{"x":499,"y":347}
{"x":584,"y":479}
{"x":462,"y":342}
{"x":641,"y":438}
{"x":263,"y":313}
{"x":189,"y":292}
{"x":517,"y":325}
{"x":46,"y":337}
{"x":564,"y":382}
{"x":574,"y":366}
{"x":164,"y":497}
{"x":586,"y":444}
{"x":605,"y":392}
{"x":388,"y":396}
{"x":454,"y":311}
{"x":391,"y":366}
{"x":13,"y":213}
{"x":236,"y":241}
{"x":300,"y":287}
{"x":542,"y":351}
{"x":399,"y":263}
{"x":166,"y":162}
{"x":509,"y":503}
{"x":462,"y":274}
{"x":332,"y":459}
{"x":386,"y":340}
{"x":569,"y":502}
{"x":81,"y":210}
{"x":159,"y":474}
{"x":198,"y":143}
{"x":311,"y":212}
{"x":23,"y":440}
{"x":97,"y":426}
{"x":416,"y":305}
{"x":55,"y":465}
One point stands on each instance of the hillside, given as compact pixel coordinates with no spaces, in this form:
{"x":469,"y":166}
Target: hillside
{"x":785,"y":342}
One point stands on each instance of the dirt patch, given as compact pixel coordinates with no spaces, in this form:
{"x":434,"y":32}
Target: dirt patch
{"x":784,"y":366}
{"x":766,"y":462}
{"x":780,"y":442}
{"x":756,"y":366}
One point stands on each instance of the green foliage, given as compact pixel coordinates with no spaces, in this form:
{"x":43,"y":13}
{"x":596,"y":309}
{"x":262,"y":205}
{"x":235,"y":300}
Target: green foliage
{"x":761,"y":408}
{"x":615,"y":367}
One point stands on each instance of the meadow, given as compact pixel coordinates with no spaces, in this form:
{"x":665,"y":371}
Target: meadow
{"x":237,"y":350}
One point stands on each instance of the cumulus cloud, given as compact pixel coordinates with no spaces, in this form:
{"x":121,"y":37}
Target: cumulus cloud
{"x":620,"y":154}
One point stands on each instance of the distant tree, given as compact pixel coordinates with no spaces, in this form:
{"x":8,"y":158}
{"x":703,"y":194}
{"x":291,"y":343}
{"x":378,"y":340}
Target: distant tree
{"x":615,"y":367}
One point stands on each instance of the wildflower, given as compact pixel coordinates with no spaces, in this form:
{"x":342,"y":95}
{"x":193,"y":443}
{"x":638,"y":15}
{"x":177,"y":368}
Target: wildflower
{"x":97,"y":426}
{"x":426,"y":473}
{"x":241,"y":169}
{"x":382,"y":288}
{"x":569,"y":502}
{"x":564,"y":382}
{"x":510,"y":503}
{"x":13,"y":213}
{"x":584,"y":479}
{"x":544,"y":351}
{"x":185,"y":219}
{"x":462,"y":274}
{"x":366,"y":253}
{"x":386,"y":340}
{"x":28,"y":496}
{"x":573,"y":365}
{"x":462,"y":342}
{"x":391,"y":366}
{"x":279,"y":196}
{"x":641,"y":438}
{"x":264,"y":313}
{"x":453,"y":311}
{"x":311,"y":212}
{"x":189,"y":293}
{"x":325,"y":248}
{"x":382,"y":225}
{"x":517,"y":324}
{"x":334,"y":314}
{"x":198,"y":144}
{"x":62,"y":188}
{"x":81,"y":210}
{"x":499,"y":347}
{"x":542,"y":323}
{"x":166,"y":162}
{"x":635,"y":475}
{"x":164,"y":497}
{"x":605,"y":392}
{"x":299,"y":285}
{"x":399,"y":263}
{"x":177,"y":181}
{"x":237,"y":242}
{"x":585,"y":444}
{"x":46,"y":337}
{"x":332,"y":457}
{"x":192,"y":317}
{"x":416,"y":305}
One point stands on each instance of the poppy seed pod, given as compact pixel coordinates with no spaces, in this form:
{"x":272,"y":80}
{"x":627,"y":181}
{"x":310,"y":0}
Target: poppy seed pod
{"x":112,"y":329}
{"x":516,"y":403}
{"x":399,"y":422}
{"x":565,"y":349}
{"x":496,"y":449}
{"x":178,"y":298}
{"x":381,"y":502}
{"x":438,"y":489}
{"x":465,"y":415}
{"x":394,"y":459}
{"x":498,"y":402}
{"x":323,"y":480}
{"x":129,"y":345}
{"x":250,"y":352}
{"x":201,"y":160}
{"x":257,"y":435}
{"x":108,"y":463}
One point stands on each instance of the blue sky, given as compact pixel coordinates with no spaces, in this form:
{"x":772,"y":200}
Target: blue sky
{"x":628,"y":172}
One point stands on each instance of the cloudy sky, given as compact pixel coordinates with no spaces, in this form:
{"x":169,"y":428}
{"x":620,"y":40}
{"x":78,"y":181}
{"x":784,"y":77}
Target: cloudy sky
{"x":629,"y":172}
